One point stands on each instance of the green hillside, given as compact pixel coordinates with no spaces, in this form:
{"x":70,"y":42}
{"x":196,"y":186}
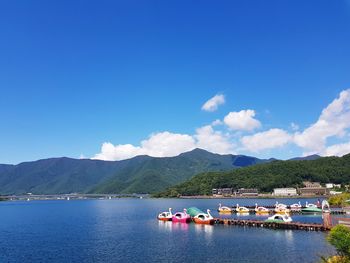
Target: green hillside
{"x":141,"y":174}
{"x":267,"y":176}
{"x":159,"y":173}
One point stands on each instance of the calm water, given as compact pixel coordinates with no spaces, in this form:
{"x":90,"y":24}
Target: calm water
{"x":126,"y":230}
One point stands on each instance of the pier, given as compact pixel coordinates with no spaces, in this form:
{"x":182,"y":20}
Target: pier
{"x":271,"y":225}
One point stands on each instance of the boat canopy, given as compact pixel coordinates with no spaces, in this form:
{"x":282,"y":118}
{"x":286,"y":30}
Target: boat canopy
{"x":193,"y":211}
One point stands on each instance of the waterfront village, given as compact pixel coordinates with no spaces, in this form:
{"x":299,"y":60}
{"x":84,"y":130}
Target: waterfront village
{"x":309,"y":189}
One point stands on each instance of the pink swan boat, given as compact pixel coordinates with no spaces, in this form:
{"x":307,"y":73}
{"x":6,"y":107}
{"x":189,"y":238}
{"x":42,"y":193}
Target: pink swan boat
{"x":181,"y":217}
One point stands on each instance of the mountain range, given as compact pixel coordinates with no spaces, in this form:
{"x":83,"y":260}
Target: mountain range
{"x":267,"y":176}
{"x":141,"y":174}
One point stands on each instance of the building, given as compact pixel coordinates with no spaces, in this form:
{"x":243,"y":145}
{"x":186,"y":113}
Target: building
{"x":284,"y":191}
{"x":247,"y":192}
{"x":313,"y":188}
{"x":308,"y":184}
{"x":330,"y":185}
{"x":222,"y":191}
{"x":313,"y":191}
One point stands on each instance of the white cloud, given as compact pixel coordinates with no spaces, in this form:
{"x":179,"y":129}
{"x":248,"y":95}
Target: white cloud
{"x":242,"y":120}
{"x":166,"y":144}
{"x":110,"y":152}
{"x":337,"y":150}
{"x":334,"y":121}
{"x":270,"y":139}
{"x":162,"y":144}
{"x":213,"y":141}
{"x":213,"y":103}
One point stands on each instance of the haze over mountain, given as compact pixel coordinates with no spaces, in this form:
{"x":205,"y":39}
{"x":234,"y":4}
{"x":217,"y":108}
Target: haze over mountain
{"x":141,"y":174}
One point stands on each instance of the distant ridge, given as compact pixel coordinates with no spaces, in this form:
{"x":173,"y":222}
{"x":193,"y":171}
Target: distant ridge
{"x":141,"y":174}
{"x":308,"y":158}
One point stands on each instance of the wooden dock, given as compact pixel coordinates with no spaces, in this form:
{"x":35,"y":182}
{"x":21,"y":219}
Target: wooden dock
{"x":271,"y":225}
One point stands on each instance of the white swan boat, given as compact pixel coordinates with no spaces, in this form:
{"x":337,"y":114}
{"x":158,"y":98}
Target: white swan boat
{"x":277,"y":218}
{"x":204,"y":218}
{"x":165,"y":216}
{"x":296,"y":206}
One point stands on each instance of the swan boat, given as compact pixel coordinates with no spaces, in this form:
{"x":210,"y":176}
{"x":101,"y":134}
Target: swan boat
{"x":311,"y":208}
{"x":281,"y":209}
{"x":295,"y":207}
{"x":181,"y":217}
{"x":307,"y":204}
{"x":260,"y":210}
{"x":165,"y":216}
{"x":278,"y":218}
{"x":224,"y":209}
{"x":204,"y":218}
{"x":193,"y":211}
{"x":242,"y":209}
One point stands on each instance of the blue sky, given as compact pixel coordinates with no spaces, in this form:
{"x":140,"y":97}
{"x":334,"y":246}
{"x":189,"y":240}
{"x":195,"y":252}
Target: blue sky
{"x":77,"y":74}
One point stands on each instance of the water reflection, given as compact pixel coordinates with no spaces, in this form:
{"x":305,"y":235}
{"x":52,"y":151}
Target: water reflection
{"x":170,"y":226}
{"x":242,"y":214}
{"x":208,"y":229}
{"x":289,"y":236}
{"x":180,"y":226}
{"x":165,"y":225}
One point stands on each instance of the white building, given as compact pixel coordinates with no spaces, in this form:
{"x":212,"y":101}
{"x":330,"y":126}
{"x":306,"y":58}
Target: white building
{"x":330,"y":185}
{"x":284,"y":191}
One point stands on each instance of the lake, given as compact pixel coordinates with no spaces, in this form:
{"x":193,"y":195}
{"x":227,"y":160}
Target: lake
{"x":126,"y":230}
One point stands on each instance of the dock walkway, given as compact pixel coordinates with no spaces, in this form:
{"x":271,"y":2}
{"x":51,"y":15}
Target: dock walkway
{"x":272,"y":225}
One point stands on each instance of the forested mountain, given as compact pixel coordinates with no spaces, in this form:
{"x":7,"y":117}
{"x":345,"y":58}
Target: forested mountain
{"x":141,"y":174}
{"x":267,"y":176}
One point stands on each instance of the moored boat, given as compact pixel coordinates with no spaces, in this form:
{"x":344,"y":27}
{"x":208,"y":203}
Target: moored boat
{"x":280,"y":205}
{"x":224,"y":209}
{"x":165,"y":216}
{"x":181,"y":217}
{"x":295,"y":207}
{"x":311,"y":210}
{"x":242,"y":209}
{"x":278,"y":218}
{"x":281,"y":209}
{"x":307,"y":205}
{"x":193,"y":211}
{"x":260,"y":210}
{"x":204,"y":218}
